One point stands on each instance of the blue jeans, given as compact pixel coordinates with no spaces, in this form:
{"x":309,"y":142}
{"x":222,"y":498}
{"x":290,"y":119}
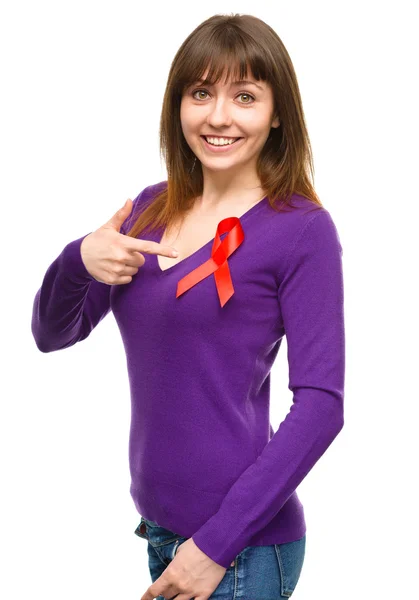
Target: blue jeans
{"x":258,"y":573}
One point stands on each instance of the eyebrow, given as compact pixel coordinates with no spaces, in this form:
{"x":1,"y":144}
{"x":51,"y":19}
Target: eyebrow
{"x":242,"y":82}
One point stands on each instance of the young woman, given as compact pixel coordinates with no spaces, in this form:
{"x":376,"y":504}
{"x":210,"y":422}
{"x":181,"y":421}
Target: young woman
{"x":258,"y":258}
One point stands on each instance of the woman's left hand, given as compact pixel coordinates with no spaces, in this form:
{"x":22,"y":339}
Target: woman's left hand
{"x":192,"y":574}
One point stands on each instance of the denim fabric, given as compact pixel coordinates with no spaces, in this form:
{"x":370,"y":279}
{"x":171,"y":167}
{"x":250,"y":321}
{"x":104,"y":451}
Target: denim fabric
{"x":258,"y":572}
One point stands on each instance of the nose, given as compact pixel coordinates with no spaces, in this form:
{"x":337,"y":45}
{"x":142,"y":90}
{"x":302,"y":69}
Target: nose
{"x":219,"y":114}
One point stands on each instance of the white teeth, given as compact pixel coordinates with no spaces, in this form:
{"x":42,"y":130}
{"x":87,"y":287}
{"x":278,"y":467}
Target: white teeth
{"x":220,"y":141}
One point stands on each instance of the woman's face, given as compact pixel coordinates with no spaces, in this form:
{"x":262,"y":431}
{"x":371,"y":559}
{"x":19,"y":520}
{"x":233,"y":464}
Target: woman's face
{"x":235,"y":110}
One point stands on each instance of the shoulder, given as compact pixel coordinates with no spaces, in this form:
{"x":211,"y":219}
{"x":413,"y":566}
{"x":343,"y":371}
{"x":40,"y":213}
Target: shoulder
{"x":306,"y":242}
{"x":149,"y":192}
{"x":146,"y":195}
{"x":313,"y":259}
{"x":156,"y":188}
{"x":310,"y":224}
{"x":140,"y":203}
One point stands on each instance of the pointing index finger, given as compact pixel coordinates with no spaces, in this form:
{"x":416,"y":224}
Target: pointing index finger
{"x":150,"y":247}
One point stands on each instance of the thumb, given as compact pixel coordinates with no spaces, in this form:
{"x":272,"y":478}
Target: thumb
{"x":120,"y":216}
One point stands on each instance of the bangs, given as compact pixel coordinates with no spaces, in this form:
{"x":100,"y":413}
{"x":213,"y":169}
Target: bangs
{"x":227,"y":56}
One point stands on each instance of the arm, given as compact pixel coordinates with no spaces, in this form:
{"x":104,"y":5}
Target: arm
{"x":70,"y":302}
{"x":311,"y":301}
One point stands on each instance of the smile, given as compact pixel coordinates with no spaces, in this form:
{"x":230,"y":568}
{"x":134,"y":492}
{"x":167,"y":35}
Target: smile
{"x":221,"y":147}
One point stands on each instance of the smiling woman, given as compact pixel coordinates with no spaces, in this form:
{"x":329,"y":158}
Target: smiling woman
{"x":259,"y":259}
{"x":232,"y":77}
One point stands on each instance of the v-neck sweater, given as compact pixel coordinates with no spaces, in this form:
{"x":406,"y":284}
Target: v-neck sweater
{"x":204,"y":459}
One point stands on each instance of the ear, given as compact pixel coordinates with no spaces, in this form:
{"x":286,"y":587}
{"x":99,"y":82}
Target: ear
{"x":275,"y":122}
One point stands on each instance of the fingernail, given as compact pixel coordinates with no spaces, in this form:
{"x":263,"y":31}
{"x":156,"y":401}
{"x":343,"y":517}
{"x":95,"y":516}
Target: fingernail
{"x":175,"y":253}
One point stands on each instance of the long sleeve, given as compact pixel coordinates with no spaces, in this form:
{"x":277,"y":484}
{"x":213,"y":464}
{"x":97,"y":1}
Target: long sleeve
{"x":311,"y":299}
{"x":70,"y":302}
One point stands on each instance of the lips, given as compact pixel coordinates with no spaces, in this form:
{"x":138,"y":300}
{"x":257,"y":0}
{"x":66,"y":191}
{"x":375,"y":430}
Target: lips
{"x":221,"y":148}
{"x":227,"y":138}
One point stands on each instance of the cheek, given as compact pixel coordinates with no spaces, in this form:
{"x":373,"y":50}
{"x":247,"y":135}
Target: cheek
{"x":255,"y":125}
{"x":188,"y":121}
{"x":186,"y":130}
{"x":184,"y":113}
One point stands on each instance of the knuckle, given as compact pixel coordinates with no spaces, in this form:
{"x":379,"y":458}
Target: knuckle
{"x":120,"y":255}
{"x":118,"y":269}
{"x":139,"y":260}
{"x":114,"y":246}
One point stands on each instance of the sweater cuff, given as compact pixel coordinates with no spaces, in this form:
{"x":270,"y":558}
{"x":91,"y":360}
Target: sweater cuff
{"x":213,"y":542}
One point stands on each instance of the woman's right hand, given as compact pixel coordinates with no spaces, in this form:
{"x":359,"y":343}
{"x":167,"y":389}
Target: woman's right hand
{"x":113,"y":258}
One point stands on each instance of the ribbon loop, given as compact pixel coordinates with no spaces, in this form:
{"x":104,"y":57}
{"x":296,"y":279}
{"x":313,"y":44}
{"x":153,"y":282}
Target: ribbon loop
{"x":218,"y":262}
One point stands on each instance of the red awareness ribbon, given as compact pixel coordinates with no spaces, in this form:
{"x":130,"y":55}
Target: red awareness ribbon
{"x":217,"y":263}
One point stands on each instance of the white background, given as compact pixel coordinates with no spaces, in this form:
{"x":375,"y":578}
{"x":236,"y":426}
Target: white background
{"x":82,"y":89}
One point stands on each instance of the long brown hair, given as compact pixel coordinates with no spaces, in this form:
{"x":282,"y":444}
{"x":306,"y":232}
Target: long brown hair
{"x":232,"y":44}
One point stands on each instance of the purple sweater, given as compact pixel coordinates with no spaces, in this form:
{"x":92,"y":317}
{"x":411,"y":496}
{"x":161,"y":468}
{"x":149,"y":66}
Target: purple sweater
{"x":204,"y":459}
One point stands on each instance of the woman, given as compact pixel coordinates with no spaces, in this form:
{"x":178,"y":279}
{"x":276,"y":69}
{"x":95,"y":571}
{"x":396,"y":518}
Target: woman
{"x":258,"y":258}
